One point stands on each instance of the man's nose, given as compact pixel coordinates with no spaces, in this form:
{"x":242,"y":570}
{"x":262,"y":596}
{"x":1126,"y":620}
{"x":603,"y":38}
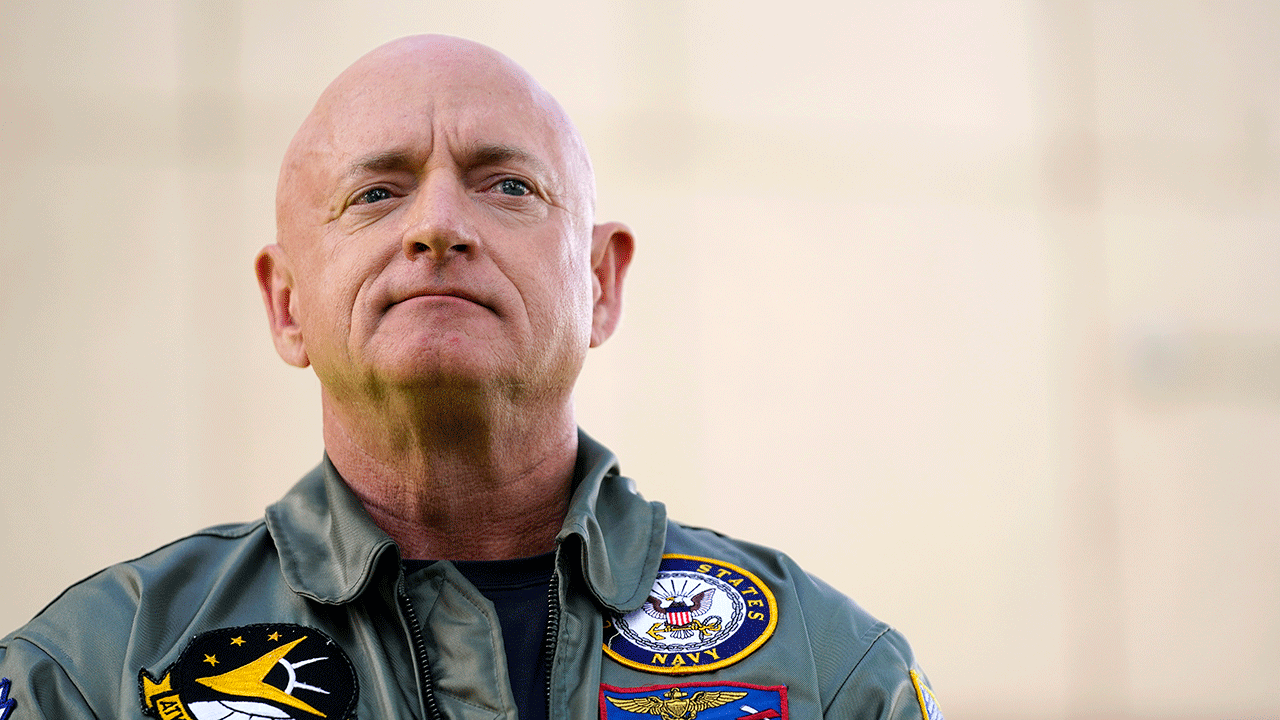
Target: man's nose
{"x":439,"y":222}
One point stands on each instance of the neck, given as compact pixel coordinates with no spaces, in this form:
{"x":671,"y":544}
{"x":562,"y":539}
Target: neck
{"x":453,"y":485}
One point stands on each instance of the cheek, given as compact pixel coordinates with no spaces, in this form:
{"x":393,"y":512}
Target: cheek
{"x":324,"y":306}
{"x":557,"y":298}
{"x":576,"y":292}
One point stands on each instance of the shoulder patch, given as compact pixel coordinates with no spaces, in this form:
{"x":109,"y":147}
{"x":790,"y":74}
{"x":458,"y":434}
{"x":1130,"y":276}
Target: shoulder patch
{"x":706,"y":701}
{"x":279,"y":671}
{"x":928,"y":703}
{"x":701,"y":615}
{"x":6,"y":703}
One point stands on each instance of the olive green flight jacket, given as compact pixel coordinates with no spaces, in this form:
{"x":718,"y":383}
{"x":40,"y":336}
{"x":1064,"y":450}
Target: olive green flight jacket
{"x":307,"y":613}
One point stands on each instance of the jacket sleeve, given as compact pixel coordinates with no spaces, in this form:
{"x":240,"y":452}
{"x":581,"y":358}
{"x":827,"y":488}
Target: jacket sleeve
{"x":885,"y":684}
{"x":35,"y":687}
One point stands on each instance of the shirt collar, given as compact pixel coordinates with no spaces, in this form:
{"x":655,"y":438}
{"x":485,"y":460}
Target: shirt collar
{"x":330,"y":549}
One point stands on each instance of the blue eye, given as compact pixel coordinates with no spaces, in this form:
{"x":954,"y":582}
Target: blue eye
{"x":373,"y":195}
{"x":513,"y":187}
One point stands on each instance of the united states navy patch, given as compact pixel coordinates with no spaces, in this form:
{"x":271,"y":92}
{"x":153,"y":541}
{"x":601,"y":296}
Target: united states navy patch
{"x":928,"y":703}
{"x":687,"y":701}
{"x":6,"y":703}
{"x":701,"y":615}
{"x":276,"y":671}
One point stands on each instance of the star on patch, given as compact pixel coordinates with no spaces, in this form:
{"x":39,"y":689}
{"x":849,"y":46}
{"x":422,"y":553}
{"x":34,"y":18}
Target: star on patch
{"x":308,"y":676}
{"x":701,"y":615}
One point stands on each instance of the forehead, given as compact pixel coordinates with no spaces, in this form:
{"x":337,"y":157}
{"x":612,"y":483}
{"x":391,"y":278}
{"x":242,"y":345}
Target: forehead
{"x":417,"y":103}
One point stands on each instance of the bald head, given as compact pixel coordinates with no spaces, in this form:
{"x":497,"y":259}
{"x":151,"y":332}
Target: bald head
{"x":435,"y":227}
{"x":397,"y":90}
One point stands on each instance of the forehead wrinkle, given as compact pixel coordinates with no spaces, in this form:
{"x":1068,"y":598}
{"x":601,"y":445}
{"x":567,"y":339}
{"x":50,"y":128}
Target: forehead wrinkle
{"x":475,"y":156}
{"x":443,"y":67}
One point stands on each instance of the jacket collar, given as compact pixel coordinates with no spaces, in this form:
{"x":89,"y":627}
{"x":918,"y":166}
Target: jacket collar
{"x":621,"y":534}
{"x":328,"y":545}
{"x":330,"y":549}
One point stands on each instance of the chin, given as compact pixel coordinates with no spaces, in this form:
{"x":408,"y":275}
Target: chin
{"x":466,"y":369}
{"x":442,"y":376}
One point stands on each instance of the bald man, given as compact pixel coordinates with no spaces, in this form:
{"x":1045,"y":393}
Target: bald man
{"x":463,"y":550}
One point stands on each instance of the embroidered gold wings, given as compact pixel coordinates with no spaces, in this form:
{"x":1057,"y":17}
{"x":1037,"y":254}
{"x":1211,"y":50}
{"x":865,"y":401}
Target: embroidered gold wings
{"x":677,"y":705}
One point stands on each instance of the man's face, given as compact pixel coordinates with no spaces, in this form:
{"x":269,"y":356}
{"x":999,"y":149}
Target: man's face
{"x":435,"y":225}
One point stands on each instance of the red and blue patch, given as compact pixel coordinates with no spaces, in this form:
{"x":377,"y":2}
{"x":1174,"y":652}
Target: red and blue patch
{"x":687,"y":701}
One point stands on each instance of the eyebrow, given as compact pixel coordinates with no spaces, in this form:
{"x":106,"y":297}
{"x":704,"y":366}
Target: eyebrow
{"x":389,"y":161}
{"x":479,"y":155}
{"x":496,"y":154}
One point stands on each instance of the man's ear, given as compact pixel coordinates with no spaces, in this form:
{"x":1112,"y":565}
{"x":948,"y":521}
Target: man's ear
{"x":611,"y":249}
{"x":275,"y":279}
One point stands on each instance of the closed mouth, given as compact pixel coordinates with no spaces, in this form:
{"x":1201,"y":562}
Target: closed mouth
{"x":442,"y":294}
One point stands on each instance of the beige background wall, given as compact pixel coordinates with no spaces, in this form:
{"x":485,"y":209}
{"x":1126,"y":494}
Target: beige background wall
{"x":973,"y":307}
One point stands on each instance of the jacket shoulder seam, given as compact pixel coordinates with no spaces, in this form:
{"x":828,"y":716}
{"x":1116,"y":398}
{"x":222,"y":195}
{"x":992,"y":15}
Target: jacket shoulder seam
{"x":875,"y":632}
{"x":70,"y":678}
{"x":224,"y":532}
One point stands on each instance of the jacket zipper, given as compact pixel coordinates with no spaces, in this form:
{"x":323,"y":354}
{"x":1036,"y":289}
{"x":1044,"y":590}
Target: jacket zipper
{"x":553,"y":627}
{"x":420,"y":654}
{"x":420,"y":646}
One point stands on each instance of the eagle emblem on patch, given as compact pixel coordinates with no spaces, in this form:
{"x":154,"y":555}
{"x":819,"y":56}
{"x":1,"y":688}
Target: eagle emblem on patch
{"x":275,"y":671}
{"x":701,"y":615}
{"x":690,"y":701}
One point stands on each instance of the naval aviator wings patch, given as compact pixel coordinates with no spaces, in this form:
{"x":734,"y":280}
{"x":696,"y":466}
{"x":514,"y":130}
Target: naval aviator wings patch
{"x":701,"y":615}
{"x":700,"y":700}
{"x":275,"y":671}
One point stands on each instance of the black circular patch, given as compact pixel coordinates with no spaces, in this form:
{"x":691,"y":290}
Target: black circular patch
{"x":272,"y":671}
